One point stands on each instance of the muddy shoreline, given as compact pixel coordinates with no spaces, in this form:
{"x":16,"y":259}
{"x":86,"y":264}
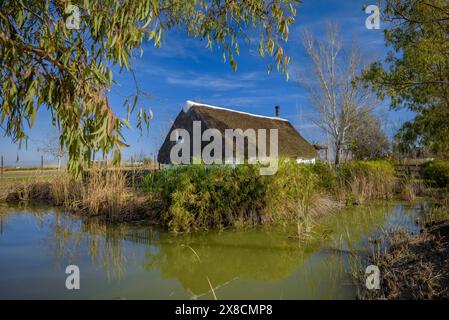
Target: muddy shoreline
{"x":416,"y":266}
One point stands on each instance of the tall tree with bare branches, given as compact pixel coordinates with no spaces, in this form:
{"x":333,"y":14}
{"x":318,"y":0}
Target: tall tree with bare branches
{"x":335,"y":94}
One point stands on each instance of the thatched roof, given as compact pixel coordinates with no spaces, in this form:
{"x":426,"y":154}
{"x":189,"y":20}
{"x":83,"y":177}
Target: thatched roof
{"x":291,"y":143}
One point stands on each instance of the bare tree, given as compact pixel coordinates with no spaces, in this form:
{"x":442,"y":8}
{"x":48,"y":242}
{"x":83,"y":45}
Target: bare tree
{"x":53,"y":147}
{"x":334,"y":91}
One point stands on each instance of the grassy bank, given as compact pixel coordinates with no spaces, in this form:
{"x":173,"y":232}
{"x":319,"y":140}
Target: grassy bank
{"x":201,"y":197}
{"x":198,"y":197}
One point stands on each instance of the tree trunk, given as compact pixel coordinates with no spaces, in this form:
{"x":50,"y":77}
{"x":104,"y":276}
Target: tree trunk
{"x":337,"y":154}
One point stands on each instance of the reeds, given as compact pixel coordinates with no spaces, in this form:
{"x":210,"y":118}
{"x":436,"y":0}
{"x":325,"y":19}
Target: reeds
{"x":104,"y":193}
{"x":411,"y":268}
{"x":67,"y":192}
{"x":363,"y":181}
{"x":408,"y":188}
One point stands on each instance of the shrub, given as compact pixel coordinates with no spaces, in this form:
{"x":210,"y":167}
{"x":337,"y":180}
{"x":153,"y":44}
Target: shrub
{"x":203,"y":197}
{"x":437,"y":173}
{"x":327,"y":177}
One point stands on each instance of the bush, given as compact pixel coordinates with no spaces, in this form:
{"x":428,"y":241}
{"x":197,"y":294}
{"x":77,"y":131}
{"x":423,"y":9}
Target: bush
{"x":290,"y":192}
{"x":204,"y":197}
{"x":327,"y":177}
{"x":437,"y":173}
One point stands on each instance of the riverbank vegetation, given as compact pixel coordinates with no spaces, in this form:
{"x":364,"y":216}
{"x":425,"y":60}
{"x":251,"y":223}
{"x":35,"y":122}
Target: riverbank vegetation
{"x":416,"y":265}
{"x":199,"y":197}
{"x":102,"y":193}
{"x":415,"y":76}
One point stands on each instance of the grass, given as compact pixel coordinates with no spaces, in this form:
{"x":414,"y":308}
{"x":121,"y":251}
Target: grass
{"x":12,"y":176}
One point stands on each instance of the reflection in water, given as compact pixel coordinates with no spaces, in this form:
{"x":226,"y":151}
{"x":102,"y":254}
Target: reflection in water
{"x":255,"y":263}
{"x":224,"y":257}
{"x":264,"y":256}
{"x":103,"y":242}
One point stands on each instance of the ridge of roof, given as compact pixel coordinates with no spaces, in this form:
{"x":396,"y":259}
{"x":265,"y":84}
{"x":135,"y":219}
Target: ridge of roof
{"x":190,"y":104}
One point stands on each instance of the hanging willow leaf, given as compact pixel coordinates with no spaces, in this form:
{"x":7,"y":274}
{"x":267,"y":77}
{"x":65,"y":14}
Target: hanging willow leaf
{"x":70,"y":71}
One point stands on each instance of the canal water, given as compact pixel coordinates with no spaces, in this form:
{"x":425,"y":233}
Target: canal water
{"x":37,"y":243}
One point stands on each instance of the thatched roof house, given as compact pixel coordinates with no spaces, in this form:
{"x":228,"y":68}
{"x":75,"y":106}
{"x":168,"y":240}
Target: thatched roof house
{"x":290,"y":143}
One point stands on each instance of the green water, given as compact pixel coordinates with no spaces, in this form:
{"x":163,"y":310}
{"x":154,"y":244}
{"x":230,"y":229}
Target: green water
{"x":140,"y":262}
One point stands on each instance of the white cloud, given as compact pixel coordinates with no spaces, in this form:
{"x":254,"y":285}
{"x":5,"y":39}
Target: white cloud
{"x":207,"y":80}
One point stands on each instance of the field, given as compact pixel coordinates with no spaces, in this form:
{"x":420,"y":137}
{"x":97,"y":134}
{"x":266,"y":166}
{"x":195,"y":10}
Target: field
{"x":23,"y":174}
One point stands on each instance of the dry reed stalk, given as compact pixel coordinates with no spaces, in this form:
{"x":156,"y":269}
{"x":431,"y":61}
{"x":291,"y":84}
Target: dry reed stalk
{"x":104,"y":194}
{"x":369,"y":186}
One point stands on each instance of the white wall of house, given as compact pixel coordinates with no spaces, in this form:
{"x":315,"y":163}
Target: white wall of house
{"x":305,"y":161}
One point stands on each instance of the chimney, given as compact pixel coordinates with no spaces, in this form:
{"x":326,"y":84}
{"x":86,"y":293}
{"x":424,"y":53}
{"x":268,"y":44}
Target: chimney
{"x":276,"y":108}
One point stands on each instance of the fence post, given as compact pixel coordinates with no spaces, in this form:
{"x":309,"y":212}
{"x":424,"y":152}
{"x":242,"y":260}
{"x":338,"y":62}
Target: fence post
{"x":1,"y":169}
{"x":132,"y":171}
{"x":42,"y":162}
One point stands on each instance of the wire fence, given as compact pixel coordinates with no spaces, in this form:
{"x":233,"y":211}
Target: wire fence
{"x":12,"y":167}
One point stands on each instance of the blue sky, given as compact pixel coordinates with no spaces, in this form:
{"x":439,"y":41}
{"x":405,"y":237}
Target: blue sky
{"x":183,"y":69}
